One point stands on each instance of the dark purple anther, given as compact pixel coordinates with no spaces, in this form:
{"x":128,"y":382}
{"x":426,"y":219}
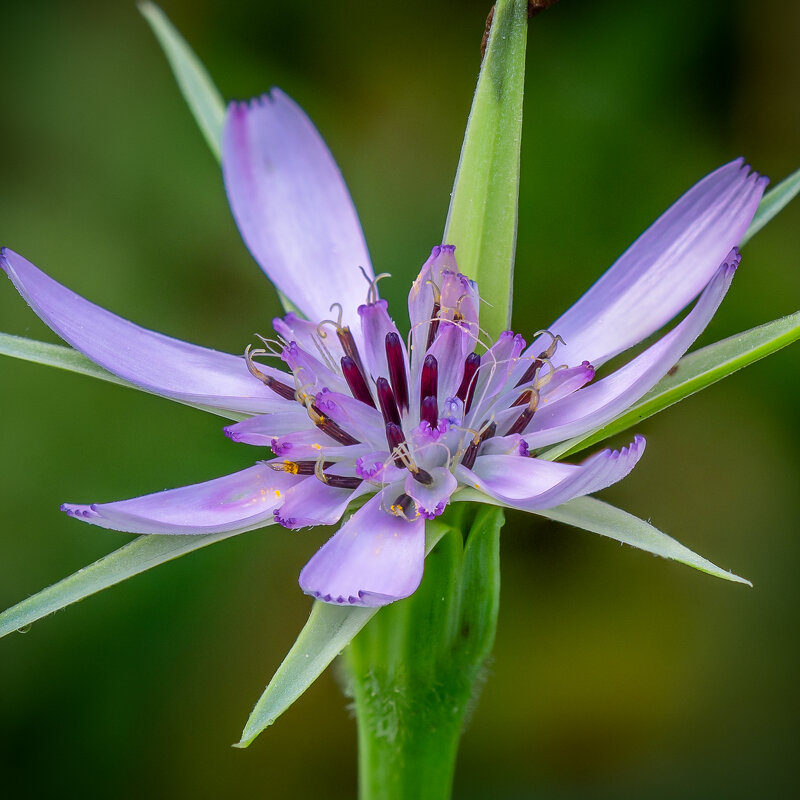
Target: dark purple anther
{"x":405,"y":507}
{"x":529,"y":373}
{"x":467,"y":388}
{"x":434,"y":325}
{"x":422,"y":476}
{"x":355,"y":380}
{"x":429,"y":382}
{"x":280,"y":388}
{"x":429,"y":411}
{"x":523,"y":399}
{"x":387,"y":401}
{"x":349,"y":346}
{"x":342,"y":481}
{"x":394,"y":437}
{"x":302,"y":467}
{"x":521,"y":422}
{"x":397,"y":369}
{"x":471,"y":453}
{"x":327,"y":425}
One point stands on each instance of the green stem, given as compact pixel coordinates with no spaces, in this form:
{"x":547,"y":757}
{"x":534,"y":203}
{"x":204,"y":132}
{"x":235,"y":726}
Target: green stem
{"x":414,"y":669}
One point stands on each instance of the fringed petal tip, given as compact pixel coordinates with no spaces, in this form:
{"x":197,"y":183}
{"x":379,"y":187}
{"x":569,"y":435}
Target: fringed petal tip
{"x":731,"y":262}
{"x":374,"y":559}
{"x":631,"y":452}
{"x":79,"y":511}
{"x":363,"y":600}
{"x":264,"y":100}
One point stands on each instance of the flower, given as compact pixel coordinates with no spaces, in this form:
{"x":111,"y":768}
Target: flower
{"x":364,"y":415}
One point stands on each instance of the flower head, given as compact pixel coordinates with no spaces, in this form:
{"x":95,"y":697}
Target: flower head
{"x":356,"y":412}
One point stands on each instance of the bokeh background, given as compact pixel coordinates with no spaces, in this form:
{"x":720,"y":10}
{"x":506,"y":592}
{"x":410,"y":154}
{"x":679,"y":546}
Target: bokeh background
{"x":615,"y":674}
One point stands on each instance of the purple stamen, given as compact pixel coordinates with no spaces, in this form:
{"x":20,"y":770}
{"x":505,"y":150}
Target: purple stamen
{"x":387,"y":401}
{"x":395,"y":437}
{"x":299,"y":467}
{"x":429,"y":381}
{"x":327,"y":425}
{"x":397,"y":369}
{"x":521,"y":422}
{"x":349,"y":346}
{"x":429,"y":411}
{"x":529,"y":373}
{"x":467,"y":388}
{"x":434,"y":325}
{"x":471,"y":453}
{"x":283,"y":389}
{"x":342,"y":481}
{"x":355,"y":380}
{"x":524,"y":398}
{"x":405,"y":507}
{"x":422,"y":476}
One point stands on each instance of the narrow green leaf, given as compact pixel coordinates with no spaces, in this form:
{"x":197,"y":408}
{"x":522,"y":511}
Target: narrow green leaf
{"x":55,"y":355}
{"x":596,"y":516}
{"x":199,"y":91}
{"x":328,"y":631}
{"x":772,"y":203}
{"x":137,"y":556}
{"x":482,"y":220}
{"x":58,"y":355}
{"x":593,"y":515}
{"x":691,"y":374}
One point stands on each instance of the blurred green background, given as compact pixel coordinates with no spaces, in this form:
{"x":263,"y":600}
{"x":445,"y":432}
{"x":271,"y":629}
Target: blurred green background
{"x":615,"y":674}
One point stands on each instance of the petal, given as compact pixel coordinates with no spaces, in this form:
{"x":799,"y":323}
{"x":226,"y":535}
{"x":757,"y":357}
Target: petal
{"x":292,"y":206}
{"x":313,"y":444}
{"x":432,"y":499}
{"x":238,"y":502}
{"x":363,"y":422}
{"x":450,"y":348}
{"x":374,"y":559}
{"x":421,"y":298}
{"x":312,"y":502}
{"x":312,"y":337}
{"x":375,"y":325}
{"x":660,"y":273}
{"x":261,"y":429}
{"x":309,"y":372}
{"x":150,"y":360}
{"x":531,"y":483}
{"x":597,"y":403}
{"x":496,"y":364}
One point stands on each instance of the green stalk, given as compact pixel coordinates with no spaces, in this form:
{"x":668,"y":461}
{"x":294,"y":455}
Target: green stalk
{"x":415,"y":668}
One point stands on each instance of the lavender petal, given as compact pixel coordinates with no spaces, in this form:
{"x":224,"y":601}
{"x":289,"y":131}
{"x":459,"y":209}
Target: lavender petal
{"x":292,"y":206}
{"x":374,"y":559}
{"x":238,"y":502}
{"x":663,"y":270}
{"x":157,"y":363}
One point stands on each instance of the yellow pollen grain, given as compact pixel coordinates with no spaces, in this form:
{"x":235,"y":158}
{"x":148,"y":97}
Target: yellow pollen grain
{"x":317,"y":446}
{"x":290,"y":467}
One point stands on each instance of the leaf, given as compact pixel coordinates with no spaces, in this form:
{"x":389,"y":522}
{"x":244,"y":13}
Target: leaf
{"x":482,"y":219}
{"x":58,"y":355}
{"x":593,"y":515}
{"x":328,"y":631}
{"x":199,"y":91}
{"x":137,"y":556}
{"x":691,"y":374}
{"x":772,"y":203}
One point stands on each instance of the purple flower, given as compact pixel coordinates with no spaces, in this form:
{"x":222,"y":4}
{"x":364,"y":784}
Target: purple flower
{"x":357,"y":412}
